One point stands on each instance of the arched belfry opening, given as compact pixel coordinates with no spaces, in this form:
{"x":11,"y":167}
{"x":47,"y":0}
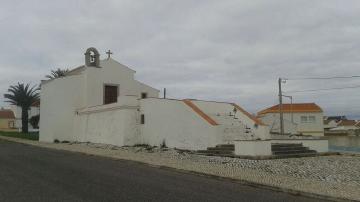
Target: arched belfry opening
{"x":92,"y":57}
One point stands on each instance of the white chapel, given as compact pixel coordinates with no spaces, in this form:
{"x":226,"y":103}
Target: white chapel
{"x":101,"y":102}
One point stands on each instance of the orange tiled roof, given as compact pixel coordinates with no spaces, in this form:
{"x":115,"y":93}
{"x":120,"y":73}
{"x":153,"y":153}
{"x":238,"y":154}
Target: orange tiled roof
{"x":6,"y":114}
{"x":256,"y":120}
{"x":200,"y":112}
{"x":295,"y":107}
{"x":36,"y":104}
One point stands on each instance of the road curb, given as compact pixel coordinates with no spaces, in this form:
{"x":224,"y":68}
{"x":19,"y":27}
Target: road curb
{"x":243,"y":182}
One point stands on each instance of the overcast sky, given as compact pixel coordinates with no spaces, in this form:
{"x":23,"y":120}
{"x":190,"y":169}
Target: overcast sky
{"x":228,"y":50}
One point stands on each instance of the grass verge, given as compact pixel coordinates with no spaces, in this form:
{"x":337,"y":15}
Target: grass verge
{"x":28,"y":136}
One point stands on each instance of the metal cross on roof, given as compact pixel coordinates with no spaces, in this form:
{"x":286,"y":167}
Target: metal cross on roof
{"x":109,"y":53}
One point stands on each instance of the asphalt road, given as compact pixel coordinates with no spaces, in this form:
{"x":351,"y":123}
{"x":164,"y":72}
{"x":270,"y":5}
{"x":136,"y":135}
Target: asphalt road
{"x":29,"y":173}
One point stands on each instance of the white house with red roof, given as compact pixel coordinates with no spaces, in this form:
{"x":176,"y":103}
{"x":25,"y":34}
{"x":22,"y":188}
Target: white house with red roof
{"x":102,"y":102}
{"x":299,"y":118}
{"x":7,"y":120}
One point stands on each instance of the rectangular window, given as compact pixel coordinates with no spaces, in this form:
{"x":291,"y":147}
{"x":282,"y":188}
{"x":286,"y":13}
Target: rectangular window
{"x":110,"y":94}
{"x":304,"y":119}
{"x":311,"y":119}
{"x":142,"y":121}
{"x":143,"y":95}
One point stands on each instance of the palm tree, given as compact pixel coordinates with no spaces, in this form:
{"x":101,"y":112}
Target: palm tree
{"x":23,"y":96}
{"x":57,"y":73}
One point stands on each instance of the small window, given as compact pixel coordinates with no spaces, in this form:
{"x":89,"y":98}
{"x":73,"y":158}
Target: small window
{"x":110,"y":94}
{"x":143,"y":95}
{"x":142,"y":121}
{"x":311,"y":119}
{"x":304,"y":119}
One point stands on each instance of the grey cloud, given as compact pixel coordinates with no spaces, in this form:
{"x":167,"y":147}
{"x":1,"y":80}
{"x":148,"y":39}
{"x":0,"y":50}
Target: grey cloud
{"x":216,"y":50}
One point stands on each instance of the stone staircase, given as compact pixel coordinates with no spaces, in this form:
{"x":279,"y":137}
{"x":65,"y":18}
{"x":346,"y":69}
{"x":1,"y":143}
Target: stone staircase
{"x":226,"y":150}
{"x":279,"y":150}
{"x":285,"y":150}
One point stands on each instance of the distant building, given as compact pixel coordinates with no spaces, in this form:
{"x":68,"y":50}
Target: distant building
{"x":346,"y":127}
{"x":335,"y":118}
{"x":329,"y":124}
{"x":7,"y":120}
{"x":299,"y":118}
{"x":33,"y":111}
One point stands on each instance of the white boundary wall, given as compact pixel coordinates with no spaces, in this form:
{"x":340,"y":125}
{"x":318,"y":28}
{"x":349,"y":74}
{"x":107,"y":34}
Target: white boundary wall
{"x":116,"y":124}
{"x":176,"y":124}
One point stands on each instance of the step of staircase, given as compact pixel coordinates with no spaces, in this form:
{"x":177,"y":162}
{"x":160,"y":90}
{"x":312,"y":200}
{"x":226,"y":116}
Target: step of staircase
{"x":291,"y":150}
{"x":219,"y":150}
{"x":295,"y":152}
{"x":281,"y":145}
{"x":225,"y":146}
{"x":288,"y":148}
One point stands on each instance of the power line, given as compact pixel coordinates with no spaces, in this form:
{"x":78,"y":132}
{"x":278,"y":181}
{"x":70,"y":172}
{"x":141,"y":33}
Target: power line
{"x":323,"y":89}
{"x":324,"y":78}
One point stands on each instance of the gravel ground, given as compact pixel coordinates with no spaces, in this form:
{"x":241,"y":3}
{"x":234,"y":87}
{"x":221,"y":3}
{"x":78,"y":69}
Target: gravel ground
{"x":335,"y":176}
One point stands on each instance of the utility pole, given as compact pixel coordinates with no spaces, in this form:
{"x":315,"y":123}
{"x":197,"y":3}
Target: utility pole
{"x":291,"y":107}
{"x":164,"y":93}
{"x":281,"y":109}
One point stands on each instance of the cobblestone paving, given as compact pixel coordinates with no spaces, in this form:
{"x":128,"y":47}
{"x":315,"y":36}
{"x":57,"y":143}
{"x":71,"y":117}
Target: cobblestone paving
{"x":335,"y":176}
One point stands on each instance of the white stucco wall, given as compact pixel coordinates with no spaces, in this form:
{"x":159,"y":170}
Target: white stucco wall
{"x":253,"y":148}
{"x":224,"y":109}
{"x":62,"y":97}
{"x":315,"y":129}
{"x":178,"y":125}
{"x":59,"y":99}
{"x":116,"y":124}
{"x":113,"y":73}
{"x":151,"y":92}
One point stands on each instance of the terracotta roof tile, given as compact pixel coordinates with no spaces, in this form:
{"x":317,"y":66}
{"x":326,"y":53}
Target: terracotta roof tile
{"x":36,"y":104}
{"x":295,"y":107}
{"x":256,"y":120}
{"x":6,"y":114}
{"x":200,"y":112}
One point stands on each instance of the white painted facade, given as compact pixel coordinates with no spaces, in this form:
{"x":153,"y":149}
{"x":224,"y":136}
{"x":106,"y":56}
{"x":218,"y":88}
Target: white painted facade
{"x":72,"y":109}
{"x":295,"y":124}
{"x":176,"y":124}
{"x":83,"y":88}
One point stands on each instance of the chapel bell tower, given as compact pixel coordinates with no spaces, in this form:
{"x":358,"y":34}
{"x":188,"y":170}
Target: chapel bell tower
{"x":92,"y":57}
